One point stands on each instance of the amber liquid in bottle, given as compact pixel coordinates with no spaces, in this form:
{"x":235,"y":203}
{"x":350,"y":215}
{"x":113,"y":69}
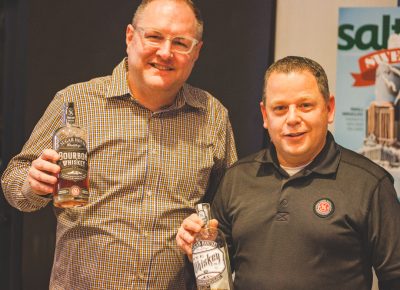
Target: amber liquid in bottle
{"x":73,"y":199}
{"x":72,"y":187}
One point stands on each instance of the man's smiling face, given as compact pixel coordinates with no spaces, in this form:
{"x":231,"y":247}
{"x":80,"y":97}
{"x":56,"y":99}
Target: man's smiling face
{"x":160,"y":69}
{"x":296,"y":116}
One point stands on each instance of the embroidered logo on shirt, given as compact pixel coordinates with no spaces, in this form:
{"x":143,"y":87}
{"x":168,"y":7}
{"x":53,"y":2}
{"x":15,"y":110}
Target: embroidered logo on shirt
{"x":324,"y":207}
{"x":282,"y":216}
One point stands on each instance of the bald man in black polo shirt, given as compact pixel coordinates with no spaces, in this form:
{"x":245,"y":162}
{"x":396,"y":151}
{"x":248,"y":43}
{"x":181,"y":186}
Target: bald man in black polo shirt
{"x":305,"y":213}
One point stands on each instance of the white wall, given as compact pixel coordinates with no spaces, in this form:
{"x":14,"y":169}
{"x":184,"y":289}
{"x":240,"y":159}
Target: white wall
{"x":309,"y":28}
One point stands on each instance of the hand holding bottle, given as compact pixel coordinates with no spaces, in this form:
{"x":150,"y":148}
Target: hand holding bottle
{"x":210,"y":255}
{"x":188,"y":230}
{"x":42,"y":173}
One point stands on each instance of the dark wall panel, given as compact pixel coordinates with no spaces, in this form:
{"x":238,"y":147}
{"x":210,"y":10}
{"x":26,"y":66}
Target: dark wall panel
{"x":51,"y":44}
{"x":72,"y":41}
{"x":238,"y":47}
{"x":14,"y":19}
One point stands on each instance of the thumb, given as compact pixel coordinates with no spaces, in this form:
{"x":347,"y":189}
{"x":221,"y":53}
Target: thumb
{"x":213,"y":223}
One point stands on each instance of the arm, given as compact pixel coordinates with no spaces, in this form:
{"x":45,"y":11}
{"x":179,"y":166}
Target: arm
{"x":393,"y":284}
{"x":31,"y":174}
{"x":384,"y":235}
{"x":224,"y":155}
{"x":220,"y":211}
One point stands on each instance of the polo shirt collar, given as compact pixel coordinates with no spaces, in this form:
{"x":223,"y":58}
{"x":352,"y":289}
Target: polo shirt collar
{"x":326,"y":162}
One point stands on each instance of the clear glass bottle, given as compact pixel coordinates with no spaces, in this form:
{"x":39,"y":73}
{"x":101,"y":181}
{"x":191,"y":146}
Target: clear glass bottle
{"x":210,"y":255}
{"x":69,"y":141}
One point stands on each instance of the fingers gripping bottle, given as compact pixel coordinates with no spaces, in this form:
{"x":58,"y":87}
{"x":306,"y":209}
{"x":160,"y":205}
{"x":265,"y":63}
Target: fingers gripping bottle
{"x":210,"y":255}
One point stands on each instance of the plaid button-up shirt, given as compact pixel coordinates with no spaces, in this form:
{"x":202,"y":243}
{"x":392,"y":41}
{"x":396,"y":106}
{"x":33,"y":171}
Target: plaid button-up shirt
{"x":147,"y":170}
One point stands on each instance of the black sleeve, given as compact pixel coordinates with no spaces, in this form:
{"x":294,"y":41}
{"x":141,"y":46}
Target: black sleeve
{"x":190,"y":279}
{"x":220,"y":211}
{"x":384,"y":234}
{"x":213,"y":183}
{"x":390,"y":285}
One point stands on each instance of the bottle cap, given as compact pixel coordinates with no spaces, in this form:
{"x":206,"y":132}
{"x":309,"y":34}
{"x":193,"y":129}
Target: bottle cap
{"x":204,"y":212}
{"x":69,"y":113}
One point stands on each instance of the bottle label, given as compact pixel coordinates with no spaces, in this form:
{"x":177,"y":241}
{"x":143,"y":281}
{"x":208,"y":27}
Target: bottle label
{"x":208,"y":262}
{"x":75,"y":191}
{"x":73,"y":159}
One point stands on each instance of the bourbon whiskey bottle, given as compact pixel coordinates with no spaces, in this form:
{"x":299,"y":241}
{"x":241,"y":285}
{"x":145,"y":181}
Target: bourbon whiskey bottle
{"x":69,"y":141}
{"x":210,"y":255}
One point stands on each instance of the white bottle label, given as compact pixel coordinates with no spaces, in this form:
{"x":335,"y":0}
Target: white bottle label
{"x":208,"y":262}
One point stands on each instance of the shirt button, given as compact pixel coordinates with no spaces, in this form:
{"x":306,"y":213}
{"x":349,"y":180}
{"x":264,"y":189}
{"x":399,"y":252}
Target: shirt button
{"x":284,"y":203}
{"x":149,"y":193}
{"x":140,"y":276}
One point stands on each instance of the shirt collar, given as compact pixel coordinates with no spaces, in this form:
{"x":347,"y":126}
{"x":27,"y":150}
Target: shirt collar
{"x":187,"y":95}
{"x":119,"y":83}
{"x":119,"y":87}
{"x":326,"y":162}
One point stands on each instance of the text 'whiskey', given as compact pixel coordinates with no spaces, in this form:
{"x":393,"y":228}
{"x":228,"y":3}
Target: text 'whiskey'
{"x":69,"y":141}
{"x":210,"y":255}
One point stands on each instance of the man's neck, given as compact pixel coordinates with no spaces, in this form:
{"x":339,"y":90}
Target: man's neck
{"x":152,"y":99}
{"x":154,"y":102}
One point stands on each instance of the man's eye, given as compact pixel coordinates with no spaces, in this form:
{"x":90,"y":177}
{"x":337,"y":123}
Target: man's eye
{"x":279,"y":108}
{"x":306,"y":105}
{"x":154,"y":37}
{"x":185,"y":43}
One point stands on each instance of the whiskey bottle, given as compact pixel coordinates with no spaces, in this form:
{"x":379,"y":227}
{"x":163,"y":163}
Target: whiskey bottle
{"x":69,"y":141}
{"x":210,"y":255}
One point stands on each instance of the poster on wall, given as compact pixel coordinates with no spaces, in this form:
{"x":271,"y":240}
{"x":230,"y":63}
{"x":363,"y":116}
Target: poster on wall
{"x":368,"y":85}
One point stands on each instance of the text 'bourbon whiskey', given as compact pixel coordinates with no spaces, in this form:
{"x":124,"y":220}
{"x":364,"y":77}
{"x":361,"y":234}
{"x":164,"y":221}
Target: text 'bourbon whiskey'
{"x":69,"y":141}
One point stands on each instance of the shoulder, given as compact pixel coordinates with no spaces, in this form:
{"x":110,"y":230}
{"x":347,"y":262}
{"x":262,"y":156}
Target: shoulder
{"x":359,"y":164}
{"x":248,"y":164}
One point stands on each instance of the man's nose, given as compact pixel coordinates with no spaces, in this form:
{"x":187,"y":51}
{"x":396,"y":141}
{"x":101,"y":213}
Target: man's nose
{"x":293,"y":116}
{"x":164,"y":51}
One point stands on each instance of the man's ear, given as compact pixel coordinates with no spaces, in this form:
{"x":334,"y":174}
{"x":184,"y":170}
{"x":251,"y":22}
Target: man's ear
{"x":196,"y":51}
{"x":264,"y":114}
{"x":129,"y":35}
{"x":331,"y":109}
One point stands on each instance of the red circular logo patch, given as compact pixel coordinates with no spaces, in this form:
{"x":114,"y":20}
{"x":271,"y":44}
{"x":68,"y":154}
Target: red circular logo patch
{"x":75,"y":190}
{"x":324,"y":207}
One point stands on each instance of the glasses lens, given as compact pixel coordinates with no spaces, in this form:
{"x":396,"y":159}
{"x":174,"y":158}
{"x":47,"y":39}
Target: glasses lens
{"x":153,"y":37}
{"x":179,"y":44}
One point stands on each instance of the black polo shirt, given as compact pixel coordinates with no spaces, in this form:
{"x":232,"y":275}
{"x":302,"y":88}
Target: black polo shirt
{"x":323,"y":228}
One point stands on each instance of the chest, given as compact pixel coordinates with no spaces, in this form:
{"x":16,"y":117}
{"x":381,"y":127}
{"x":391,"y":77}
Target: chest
{"x":312,"y":213}
{"x":131,"y":149}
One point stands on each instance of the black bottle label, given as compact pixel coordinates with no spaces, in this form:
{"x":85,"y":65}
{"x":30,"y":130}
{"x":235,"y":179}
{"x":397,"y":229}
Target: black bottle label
{"x":73,"y":159}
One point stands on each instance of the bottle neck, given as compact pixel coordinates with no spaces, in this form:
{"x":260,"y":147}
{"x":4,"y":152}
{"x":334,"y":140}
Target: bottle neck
{"x":69,"y":122}
{"x":204,"y":212}
{"x":69,"y":114}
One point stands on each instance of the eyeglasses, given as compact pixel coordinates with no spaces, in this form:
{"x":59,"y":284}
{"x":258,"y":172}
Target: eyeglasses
{"x":179,"y":44}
